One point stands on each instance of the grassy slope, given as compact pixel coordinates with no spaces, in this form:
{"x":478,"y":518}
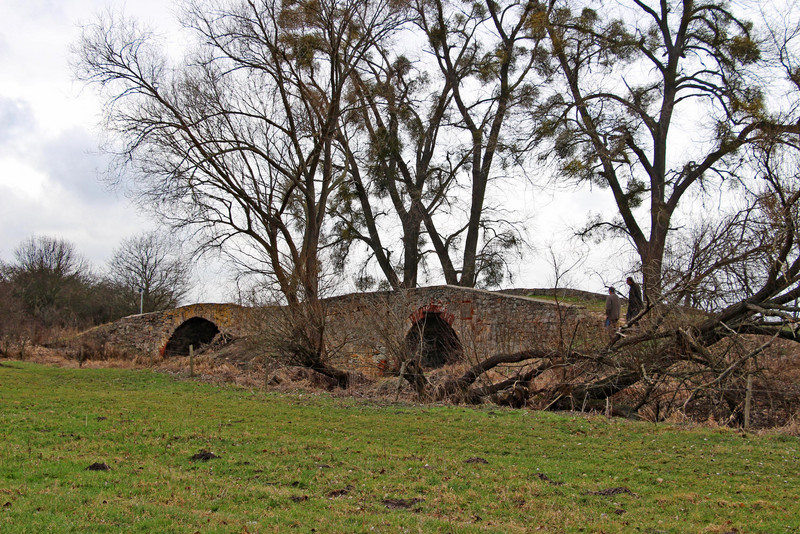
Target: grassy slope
{"x":594,"y":305}
{"x":303,"y":461}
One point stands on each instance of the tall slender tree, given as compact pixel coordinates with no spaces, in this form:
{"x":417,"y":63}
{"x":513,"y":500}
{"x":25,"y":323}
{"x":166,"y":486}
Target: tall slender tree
{"x":492,"y":55}
{"x":441,"y":121}
{"x":633,"y":77}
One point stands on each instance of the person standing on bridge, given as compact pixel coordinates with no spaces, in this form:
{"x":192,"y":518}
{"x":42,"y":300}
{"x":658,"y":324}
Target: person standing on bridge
{"x":613,"y":309}
{"x":635,"y":304}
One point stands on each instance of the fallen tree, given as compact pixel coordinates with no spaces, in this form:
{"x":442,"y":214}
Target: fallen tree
{"x":742,"y":282}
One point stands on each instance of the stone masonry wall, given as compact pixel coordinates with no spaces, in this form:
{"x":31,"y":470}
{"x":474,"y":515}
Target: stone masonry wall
{"x":365,"y":330}
{"x":149,"y":333}
{"x":370,"y":327}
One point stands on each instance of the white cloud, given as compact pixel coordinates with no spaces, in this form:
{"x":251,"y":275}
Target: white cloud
{"x":16,"y":119}
{"x":72,"y":159}
{"x":20,"y":180}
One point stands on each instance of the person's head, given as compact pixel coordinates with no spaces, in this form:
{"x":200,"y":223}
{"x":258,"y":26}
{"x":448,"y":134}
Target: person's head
{"x":629,"y":281}
{"x":611,"y":291}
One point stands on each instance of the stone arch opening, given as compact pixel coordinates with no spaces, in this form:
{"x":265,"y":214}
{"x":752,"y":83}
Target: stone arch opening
{"x":195,"y":331}
{"x":433,"y":340}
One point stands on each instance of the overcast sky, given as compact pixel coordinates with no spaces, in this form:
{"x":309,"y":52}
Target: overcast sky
{"x":51,"y":167}
{"x":50,"y":164}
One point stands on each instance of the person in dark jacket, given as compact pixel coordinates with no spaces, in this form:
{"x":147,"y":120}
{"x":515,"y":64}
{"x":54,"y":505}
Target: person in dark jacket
{"x":634,"y":300}
{"x":613,"y":308}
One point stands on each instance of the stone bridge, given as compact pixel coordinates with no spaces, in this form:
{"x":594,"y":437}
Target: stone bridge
{"x":441,"y":323}
{"x":171,"y":332}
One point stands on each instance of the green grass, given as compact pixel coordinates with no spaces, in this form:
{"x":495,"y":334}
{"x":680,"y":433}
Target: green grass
{"x":595,"y":305}
{"x":303,"y":462}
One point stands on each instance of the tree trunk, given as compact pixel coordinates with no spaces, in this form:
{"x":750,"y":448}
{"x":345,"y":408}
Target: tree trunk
{"x":412,"y":225}
{"x":415,"y":376}
{"x":600,"y":390}
{"x":342,"y":377}
{"x":652,"y":258}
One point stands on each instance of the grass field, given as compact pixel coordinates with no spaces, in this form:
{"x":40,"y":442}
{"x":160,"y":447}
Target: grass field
{"x":595,"y":305}
{"x":312,"y":463}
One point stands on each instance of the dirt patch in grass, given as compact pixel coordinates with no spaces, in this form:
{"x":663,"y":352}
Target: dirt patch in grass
{"x":98,"y":466}
{"x":340,"y":492}
{"x":612,"y":491}
{"x":542,"y":476}
{"x":401,"y":504}
{"x":203,"y":456}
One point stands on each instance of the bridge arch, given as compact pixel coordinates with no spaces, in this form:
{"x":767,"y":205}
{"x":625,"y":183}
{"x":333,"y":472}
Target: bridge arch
{"x":432,"y":337}
{"x":195,"y":331}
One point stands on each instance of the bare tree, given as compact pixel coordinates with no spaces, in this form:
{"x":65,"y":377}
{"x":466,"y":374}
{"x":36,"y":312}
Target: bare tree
{"x":50,"y":278}
{"x":490,"y":54}
{"x":45,"y":254}
{"x":745,"y":271}
{"x":14,"y":328}
{"x":153,"y":264}
{"x":238,"y":144}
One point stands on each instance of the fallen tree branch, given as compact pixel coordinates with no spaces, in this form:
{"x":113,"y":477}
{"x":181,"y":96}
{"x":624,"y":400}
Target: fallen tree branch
{"x":475,"y":371}
{"x":599,"y":390}
{"x":505,"y":384}
{"x":732,"y":367}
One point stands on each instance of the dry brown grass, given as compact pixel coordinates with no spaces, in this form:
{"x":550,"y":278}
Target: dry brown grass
{"x":241,"y":363}
{"x":791,"y":428}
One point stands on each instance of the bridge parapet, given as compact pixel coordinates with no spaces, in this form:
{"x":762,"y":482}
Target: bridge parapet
{"x":368,"y":327}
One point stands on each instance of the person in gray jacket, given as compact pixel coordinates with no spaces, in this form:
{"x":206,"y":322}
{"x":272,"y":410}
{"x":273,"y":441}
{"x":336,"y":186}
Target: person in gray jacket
{"x":613,"y":309}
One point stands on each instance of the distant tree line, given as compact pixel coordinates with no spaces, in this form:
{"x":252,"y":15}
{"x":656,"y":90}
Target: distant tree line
{"x":50,"y":285}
